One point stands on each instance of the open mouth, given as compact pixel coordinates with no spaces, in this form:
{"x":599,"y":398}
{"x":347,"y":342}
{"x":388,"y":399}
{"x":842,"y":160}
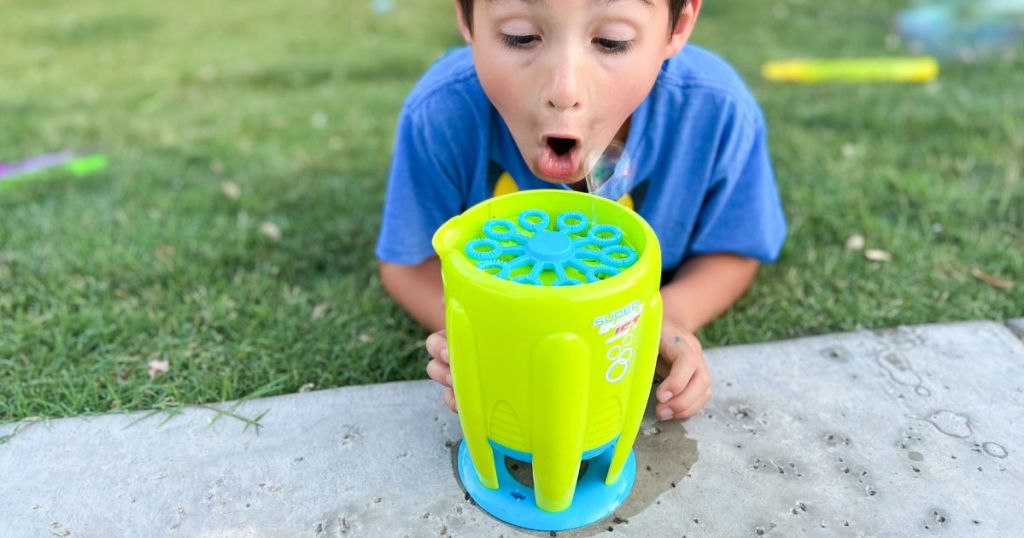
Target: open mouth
{"x":561,"y":146}
{"x":559,"y":157}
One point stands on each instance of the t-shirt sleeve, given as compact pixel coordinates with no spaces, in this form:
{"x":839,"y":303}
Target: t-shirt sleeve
{"x":423,"y":188}
{"x":742,"y":213}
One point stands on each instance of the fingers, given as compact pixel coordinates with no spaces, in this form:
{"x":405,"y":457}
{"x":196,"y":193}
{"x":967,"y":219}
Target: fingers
{"x":438,"y":368}
{"x":676,"y":382}
{"x":440,"y":372}
{"x":682,"y":353}
{"x":437,"y":346}
{"x":687,"y":385}
{"x":689,"y":402}
{"x":449,"y":400}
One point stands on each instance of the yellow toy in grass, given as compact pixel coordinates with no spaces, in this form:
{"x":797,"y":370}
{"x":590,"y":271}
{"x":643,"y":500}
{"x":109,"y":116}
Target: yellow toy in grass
{"x":913,"y":69}
{"x":553,"y":315}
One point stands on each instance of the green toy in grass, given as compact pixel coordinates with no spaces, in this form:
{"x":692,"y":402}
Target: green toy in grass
{"x":39,"y":166}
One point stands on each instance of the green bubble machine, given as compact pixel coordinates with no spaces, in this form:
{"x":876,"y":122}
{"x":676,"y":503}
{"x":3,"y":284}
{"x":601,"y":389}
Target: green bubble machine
{"x":553,"y":317}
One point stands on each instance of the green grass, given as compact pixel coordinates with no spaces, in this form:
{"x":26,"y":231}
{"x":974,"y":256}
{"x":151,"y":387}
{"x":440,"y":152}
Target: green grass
{"x":296,"y":103}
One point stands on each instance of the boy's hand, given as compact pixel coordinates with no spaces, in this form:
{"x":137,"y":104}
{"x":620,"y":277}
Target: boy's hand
{"x":438,"y":368}
{"x":687,"y":385}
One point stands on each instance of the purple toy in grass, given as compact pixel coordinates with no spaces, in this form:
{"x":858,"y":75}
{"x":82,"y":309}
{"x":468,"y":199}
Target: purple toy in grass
{"x":77,"y":164}
{"x":33,"y":164}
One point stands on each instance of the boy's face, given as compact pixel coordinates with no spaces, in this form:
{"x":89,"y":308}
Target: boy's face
{"x":566,"y":74}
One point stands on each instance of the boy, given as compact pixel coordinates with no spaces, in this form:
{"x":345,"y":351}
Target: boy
{"x":544,"y":87}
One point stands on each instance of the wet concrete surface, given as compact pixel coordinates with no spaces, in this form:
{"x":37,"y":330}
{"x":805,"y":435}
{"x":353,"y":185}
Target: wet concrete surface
{"x":914,"y":431}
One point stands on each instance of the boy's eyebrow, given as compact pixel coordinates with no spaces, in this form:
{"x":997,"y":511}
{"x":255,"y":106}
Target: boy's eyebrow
{"x":647,"y":3}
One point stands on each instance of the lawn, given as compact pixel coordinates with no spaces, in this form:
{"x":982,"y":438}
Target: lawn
{"x":232,"y":235}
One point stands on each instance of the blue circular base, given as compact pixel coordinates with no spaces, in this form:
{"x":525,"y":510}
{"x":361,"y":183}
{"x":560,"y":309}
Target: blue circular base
{"x":514,"y":502}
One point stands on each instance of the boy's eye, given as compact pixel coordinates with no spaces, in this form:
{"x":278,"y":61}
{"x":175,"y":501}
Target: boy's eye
{"x":612,"y":45}
{"x":519,"y":41}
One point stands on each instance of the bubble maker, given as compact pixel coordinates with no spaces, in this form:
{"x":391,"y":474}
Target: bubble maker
{"x":553,"y":317}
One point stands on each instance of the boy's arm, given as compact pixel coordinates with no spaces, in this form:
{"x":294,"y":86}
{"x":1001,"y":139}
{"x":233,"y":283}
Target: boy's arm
{"x":704,"y":287}
{"x":418,"y":289}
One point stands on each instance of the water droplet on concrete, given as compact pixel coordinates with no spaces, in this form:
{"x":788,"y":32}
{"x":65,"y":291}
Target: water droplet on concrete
{"x":994,"y":449}
{"x":951,"y":424}
{"x":741,"y":411}
{"x":838,"y":354}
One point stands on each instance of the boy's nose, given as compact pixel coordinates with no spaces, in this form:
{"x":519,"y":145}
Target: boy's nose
{"x":566,"y":91}
{"x":563,"y":100}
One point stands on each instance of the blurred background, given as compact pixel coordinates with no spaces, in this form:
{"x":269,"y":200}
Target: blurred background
{"x":225,"y":250}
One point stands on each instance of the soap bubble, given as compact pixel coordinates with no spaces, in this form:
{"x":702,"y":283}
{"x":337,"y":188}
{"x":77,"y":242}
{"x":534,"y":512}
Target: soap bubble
{"x":961,"y":29}
{"x":611,"y":176}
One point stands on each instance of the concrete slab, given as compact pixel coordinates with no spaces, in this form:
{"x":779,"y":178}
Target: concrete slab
{"x":910,"y":431}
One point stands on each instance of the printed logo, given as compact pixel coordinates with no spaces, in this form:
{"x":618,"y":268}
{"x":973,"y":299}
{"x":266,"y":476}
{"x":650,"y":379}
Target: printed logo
{"x":621,"y":324}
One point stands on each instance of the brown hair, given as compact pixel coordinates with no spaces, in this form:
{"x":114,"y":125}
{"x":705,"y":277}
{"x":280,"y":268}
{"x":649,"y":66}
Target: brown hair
{"x":675,"y":7}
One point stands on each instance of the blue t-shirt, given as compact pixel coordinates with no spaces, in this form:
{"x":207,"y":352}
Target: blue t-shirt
{"x":703,"y":177}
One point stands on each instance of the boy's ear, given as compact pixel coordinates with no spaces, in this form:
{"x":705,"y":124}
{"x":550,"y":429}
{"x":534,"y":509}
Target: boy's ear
{"x":684,"y":27}
{"x":467,"y":34}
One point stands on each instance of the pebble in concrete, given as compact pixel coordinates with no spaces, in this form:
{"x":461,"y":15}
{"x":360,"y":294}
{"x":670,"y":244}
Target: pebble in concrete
{"x":910,"y":431}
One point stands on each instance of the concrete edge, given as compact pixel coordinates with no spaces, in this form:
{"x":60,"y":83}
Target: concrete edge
{"x":1016,"y":326}
{"x":9,"y":430}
